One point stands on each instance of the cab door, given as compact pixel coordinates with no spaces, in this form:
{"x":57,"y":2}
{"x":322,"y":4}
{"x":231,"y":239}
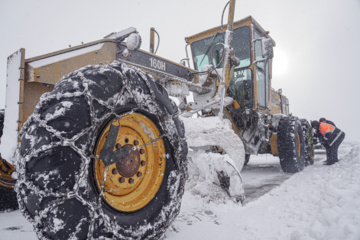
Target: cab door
{"x":262,"y":74}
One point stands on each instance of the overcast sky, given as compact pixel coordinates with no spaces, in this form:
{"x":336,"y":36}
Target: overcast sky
{"x":317,"y":49}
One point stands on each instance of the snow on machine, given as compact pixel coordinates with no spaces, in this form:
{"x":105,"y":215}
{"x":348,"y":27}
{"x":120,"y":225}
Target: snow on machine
{"x":105,"y":153}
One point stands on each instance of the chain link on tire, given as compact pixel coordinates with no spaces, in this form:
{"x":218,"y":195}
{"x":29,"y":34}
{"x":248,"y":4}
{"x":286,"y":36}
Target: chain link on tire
{"x":308,"y":141}
{"x":55,"y":157}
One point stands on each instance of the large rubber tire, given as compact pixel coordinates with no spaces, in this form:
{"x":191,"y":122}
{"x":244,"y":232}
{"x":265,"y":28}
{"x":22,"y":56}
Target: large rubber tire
{"x":1,"y":122}
{"x":8,"y":201}
{"x":291,"y":145}
{"x":308,"y":140}
{"x":57,"y":188}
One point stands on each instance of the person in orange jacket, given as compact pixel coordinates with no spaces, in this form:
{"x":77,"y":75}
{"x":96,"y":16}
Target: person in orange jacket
{"x":326,"y":121}
{"x":330,"y":136}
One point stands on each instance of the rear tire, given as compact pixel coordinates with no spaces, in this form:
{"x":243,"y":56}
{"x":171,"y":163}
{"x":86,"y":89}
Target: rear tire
{"x":1,"y":122}
{"x":62,"y":190}
{"x":291,"y":145}
{"x":8,"y":201}
{"x":247,"y":159}
{"x":308,"y":140}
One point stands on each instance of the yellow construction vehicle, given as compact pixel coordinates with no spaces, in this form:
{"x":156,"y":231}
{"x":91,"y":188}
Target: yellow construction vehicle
{"x":102,"y":153}
{"x":259,"y":114}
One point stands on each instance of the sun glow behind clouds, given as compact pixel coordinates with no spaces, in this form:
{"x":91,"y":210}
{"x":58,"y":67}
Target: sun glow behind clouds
{"x":280,"y":62}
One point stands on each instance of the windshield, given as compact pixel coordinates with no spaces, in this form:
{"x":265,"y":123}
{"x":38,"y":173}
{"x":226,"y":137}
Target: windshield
{"x":203,"y":50}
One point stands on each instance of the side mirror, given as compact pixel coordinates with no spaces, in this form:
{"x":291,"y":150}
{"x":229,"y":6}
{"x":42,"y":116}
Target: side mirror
{"x":267,"y":47}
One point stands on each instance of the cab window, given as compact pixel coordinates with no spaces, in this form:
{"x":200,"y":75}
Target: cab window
{"x":205,"y":52}
{"x":241,"y":87}
{"x":262,"y":74}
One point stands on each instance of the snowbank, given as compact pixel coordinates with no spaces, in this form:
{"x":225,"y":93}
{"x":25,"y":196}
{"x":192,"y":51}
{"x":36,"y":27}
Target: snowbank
{"x":211,"y":131}
{"x":205,"y":167}
{"x":322,"y":202}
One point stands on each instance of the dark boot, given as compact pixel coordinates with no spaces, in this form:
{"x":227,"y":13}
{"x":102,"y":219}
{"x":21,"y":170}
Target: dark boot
{"x":330,"y":162}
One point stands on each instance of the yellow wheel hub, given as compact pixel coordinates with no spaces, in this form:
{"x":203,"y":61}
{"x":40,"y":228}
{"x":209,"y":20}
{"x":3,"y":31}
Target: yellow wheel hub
{"x":6,"y":169}
{"x":133,"y":181}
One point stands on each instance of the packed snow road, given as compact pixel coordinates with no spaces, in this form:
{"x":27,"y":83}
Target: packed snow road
{"x":322,"y":202}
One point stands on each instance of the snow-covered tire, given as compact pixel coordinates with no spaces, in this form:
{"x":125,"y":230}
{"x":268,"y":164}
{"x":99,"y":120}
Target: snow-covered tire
{"x":1,"y":122}
{"x":291,"y":146}
{"x":8,"y":201}
{"x":308,"y":141}
{"x":61,"y":186}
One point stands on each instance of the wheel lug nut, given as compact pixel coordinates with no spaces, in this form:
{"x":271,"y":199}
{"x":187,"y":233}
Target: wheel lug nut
{"x":136,"y":142}
{"x":131,"y":180}
{"x":143,"y":163}
{"x":139,"y":174}
{"x":115,"y":171}
{"x":126,"y":140}
{"x":118,"y":146}
{"x":121,"y":180}
{"x":142,"y":151}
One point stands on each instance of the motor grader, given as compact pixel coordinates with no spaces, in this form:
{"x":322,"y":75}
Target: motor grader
{"x":102,"y":152}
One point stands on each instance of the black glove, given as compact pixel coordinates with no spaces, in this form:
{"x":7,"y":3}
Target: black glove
{"x":327,"y":137}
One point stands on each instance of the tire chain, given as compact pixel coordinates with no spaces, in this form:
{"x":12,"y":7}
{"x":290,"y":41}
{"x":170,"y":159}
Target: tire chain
{"x":289,"y":130}
{"x":307,"y":134}
{"x":61,"y":198}
{"x":291,"y":120}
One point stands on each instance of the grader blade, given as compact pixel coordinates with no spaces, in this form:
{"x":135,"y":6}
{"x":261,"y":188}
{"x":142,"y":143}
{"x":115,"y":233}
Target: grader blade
{"x":216,"y":153}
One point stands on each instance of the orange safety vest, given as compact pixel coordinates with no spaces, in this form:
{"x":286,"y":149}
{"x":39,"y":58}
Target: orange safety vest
{"x":326,"y":128}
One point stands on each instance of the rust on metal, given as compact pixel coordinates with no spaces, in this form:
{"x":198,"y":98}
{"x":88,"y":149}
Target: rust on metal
{"x":118,"y":146}
{"x":115,"y":171}
{"x":129,"y":165}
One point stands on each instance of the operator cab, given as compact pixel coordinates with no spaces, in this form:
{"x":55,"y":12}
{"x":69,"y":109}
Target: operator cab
{"x":250,"y":85}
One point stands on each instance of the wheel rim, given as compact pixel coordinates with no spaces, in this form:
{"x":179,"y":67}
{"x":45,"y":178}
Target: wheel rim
{"x":132,"y":182}
{"x":6,"y":171}
{"x":298,"y":144}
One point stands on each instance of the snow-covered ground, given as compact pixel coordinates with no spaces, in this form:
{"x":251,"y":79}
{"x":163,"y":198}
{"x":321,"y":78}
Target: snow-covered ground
{"x":321,"y":202}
